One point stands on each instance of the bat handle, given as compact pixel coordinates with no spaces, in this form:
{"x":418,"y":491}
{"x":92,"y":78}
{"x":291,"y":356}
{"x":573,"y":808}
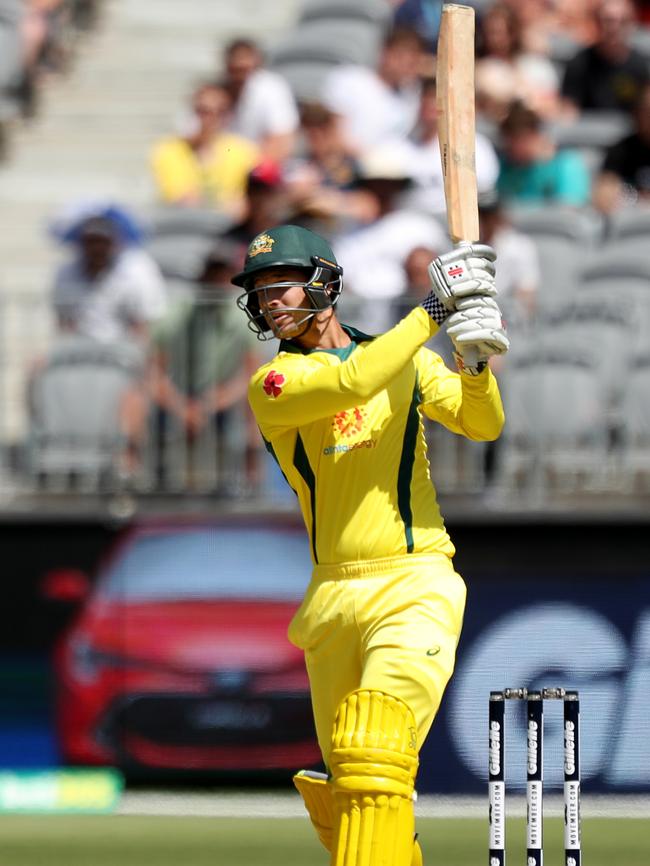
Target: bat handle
{"x":470,"y":357}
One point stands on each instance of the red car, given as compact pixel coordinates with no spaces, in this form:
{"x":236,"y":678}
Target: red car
{"x":179,"y":660}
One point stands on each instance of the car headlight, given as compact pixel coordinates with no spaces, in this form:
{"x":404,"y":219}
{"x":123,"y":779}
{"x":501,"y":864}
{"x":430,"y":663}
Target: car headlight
{"x":87,"y":662}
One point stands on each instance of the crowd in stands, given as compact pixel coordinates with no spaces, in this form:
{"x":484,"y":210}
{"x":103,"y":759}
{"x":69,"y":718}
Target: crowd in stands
{"x":37,"y":39}
{"x":358,"y":161}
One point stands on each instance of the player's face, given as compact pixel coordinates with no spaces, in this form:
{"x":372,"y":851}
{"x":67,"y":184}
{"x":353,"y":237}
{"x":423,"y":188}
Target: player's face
{"x":286,"y":308}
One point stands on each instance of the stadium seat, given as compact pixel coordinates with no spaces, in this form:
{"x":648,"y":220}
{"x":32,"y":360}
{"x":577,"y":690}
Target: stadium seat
{"x":179,"y":239}
{"x":187,"y":220}
{"x":305,"y":78}
{"x":562,"y":236}
{"x":614,"y":275}
{"x":74,"y":405}
{"x":376,"y":11}
{"x":10,"y":55}
{"x":603,"y":328}
{"x":330,"y":41}
{"x":556,"y":436}
{"x":628,"y":231}
{"x":592,"y":129}
{"x":640,"y":39}
{"x":636,"y":425}
{"x":180,"y":257}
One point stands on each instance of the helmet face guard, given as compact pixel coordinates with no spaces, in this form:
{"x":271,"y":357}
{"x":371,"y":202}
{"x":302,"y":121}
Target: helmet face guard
{"x":322,"y":288}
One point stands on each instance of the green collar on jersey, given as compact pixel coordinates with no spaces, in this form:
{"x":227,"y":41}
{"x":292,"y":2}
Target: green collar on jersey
{"x":343,"y":353}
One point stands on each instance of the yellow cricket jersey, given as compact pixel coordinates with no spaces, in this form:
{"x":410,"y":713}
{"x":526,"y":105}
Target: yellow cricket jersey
{"x":346,"y":427}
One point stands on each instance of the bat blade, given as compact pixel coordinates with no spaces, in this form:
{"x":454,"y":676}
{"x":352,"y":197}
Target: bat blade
{"x":456,"y":120}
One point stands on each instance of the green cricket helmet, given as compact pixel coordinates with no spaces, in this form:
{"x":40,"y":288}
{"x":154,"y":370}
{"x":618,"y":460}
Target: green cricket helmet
{"x":292,"y":247}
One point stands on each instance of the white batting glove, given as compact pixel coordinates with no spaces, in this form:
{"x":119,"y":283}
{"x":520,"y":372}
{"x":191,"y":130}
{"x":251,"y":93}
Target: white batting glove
{"x":477,"y":332}
{"x":465,"y":271}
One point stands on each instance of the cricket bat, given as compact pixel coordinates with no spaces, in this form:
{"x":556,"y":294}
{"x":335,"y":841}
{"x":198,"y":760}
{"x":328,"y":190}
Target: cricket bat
{"x":457,"y":123}
{"x":456,"y":120}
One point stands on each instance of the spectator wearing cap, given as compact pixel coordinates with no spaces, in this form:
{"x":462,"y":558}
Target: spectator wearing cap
{"x":207,"y":165}
{"x":264,"y":109}
{"x":322,"y":181}
{"x":266,"y":204}
{"x":109,"y":290}
{"x":610,"y":74}
{"x":533,"y":171}
{"x":428,"y":191}
{"x":379,"y":104}
{"x":373,"y":256}
{"x":625,"y":175}
{"x":204,"y":356}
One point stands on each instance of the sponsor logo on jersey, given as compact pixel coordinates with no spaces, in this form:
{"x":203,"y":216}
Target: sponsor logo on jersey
{"x":273,"y":383}
{"x":349,"y":422}
{"x":261,"y":244}
{"x":345,"y":425}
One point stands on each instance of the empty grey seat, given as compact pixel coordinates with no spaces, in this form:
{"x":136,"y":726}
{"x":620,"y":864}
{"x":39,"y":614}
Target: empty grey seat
{"x":603,"y":329}
{"x":628,"y":232}
{"x":305,"y":78}
{"x":556,"y":435}
{"x":330,"y":41}
{"x":180,"y":257}
{"x":636,"y":424}
{"x":179,"y":239}
{"x":376,"y":11}
{"x":10,"y":55}
{"x":74,"y":404}
{"x":562,"y":236}
{"x":593,"y":129}
{"x":640,"y":39}
{"x":562,"y":47}
{"x":613,"y":275}
{"x":182,"y":220}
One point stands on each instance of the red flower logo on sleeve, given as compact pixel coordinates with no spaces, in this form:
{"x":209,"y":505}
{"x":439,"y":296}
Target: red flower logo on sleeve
{"x":273,"y":384}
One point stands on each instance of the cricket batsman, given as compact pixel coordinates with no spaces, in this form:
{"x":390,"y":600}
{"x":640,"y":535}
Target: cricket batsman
{"x":342,"y":413}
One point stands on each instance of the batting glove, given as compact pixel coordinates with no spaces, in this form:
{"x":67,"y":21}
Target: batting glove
{"x":467,"y":270}
{"x":477,"y":331}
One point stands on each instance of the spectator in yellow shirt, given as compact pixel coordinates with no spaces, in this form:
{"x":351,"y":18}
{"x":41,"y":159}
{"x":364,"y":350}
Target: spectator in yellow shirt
{"x":207,"y":166}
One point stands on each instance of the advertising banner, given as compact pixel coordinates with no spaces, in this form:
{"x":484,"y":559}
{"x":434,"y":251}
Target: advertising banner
{"x":589,"y":635}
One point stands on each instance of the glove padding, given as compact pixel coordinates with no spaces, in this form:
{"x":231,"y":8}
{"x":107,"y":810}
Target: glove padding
{"x":477,"y":331}
{"x":466,"y":270}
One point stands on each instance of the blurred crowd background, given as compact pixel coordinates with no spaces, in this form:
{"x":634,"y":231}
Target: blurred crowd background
{"x":145,"y":144}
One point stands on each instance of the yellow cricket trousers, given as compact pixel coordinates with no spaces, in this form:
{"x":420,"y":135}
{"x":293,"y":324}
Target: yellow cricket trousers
{"x":391,"y":625}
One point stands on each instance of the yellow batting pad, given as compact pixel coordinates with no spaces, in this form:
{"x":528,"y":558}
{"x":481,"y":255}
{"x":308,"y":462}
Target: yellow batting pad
{"x":316,"y":792}
{"x":374,"y":763}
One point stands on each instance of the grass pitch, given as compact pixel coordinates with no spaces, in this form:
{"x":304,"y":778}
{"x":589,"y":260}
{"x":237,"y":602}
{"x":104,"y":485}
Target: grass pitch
{"x":180,"y":841}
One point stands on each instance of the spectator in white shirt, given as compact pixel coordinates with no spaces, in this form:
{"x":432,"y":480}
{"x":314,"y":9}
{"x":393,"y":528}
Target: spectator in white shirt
{"x":264,"y":108}
{"x":109,"y":290}
{"x":373,"y":257}
{"x":382,"y":103}
{"x":428,"y":193}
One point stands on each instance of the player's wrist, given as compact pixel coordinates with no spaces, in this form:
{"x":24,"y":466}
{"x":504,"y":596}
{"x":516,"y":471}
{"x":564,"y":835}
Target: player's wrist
{"x":435,"y":308}
{"x":474,"y":368}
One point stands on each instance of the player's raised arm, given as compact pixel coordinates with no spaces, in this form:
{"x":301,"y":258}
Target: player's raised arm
{"x":292,"y":284}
